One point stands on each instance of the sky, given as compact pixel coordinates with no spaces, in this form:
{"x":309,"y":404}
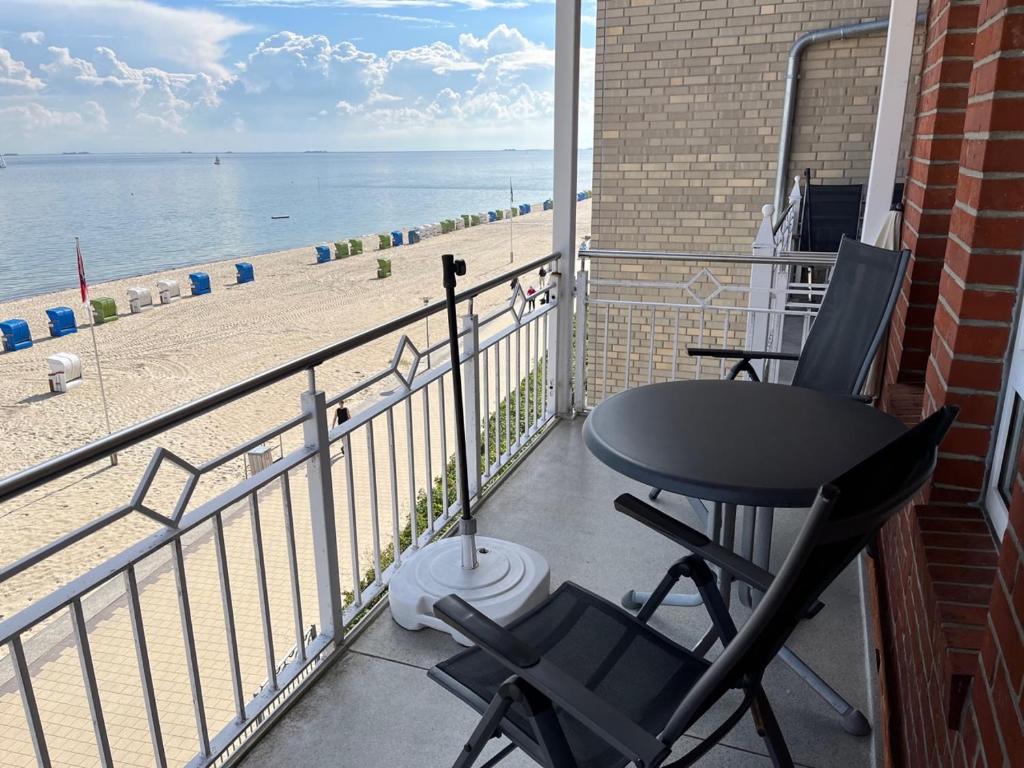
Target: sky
{"x":282,"y":75}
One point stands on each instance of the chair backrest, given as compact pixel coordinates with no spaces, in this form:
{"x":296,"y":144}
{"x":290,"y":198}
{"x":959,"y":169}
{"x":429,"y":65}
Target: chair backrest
{"x":844,"y":517}
{"x":852,"y":319}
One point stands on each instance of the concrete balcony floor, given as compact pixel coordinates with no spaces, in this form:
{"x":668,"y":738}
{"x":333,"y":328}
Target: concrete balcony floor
{"x":376,"y":707}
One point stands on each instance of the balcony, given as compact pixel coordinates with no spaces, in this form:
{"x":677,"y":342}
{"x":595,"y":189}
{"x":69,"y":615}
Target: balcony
{"x":375,"y":706}
{"x":260,"y":573}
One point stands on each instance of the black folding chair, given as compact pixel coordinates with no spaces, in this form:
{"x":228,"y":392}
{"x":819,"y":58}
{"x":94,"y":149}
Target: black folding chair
{"x":851,"y":323}
{"x":580,"y":683}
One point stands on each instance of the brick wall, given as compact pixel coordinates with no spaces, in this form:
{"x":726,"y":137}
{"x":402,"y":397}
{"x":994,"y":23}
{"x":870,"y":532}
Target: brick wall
{"x":954,"y":620}
{"x":688,"y":99}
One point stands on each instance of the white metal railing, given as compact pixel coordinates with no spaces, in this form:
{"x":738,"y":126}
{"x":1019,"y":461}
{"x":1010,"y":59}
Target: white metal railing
{"x":633,"y":330}
{"x":378,"y":488}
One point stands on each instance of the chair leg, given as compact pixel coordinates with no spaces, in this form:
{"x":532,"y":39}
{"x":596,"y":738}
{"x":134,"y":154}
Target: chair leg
{"x":768,"y":729}
{"x":486,"y":728}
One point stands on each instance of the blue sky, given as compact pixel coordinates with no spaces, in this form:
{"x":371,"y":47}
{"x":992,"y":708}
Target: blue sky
{"x":272,"y":75}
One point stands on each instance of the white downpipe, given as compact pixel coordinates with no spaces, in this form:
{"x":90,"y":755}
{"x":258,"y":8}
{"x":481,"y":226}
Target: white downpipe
{"x":567,"y":97}
{"x":892,"y":101}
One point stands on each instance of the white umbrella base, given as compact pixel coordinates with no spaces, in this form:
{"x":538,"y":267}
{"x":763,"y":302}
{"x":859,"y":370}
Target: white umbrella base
{"x":509,"y":580}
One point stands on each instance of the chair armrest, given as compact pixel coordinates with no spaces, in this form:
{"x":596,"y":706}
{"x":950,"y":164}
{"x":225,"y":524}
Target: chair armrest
{"x":695,"y":541}
{"x":740,"y":354}
{"x":602,"y":718}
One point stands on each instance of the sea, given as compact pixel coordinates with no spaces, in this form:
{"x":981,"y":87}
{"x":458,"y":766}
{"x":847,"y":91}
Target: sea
{"x":143,"y":213}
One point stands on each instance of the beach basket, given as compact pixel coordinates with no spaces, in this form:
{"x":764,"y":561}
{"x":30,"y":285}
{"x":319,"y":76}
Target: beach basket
{"x":549,"y":204}
{"x":448,"y":225}
{"x":200,"y":283}
{"x":524,"y":209}
{"x":466,"y":219}
{"x":500,"y":214}
{"x":323,"y":254}
{"x":169,"y":291}
{"x":383,"y":241}
{"x":65,"y":371}
{"x":139,"y":299}
{"x":383,"y":268}
{"x":341,"y":250}
{"x":413,"y":236}
{"x":474,"y":220}
{"x":245,"y":272}
{"x":513,"y":211}
{"x":396,"y":237}
{"x":588,"y":194}
{"x":16,"y":335}
{"x":492,"y":216}
{"x":355,"y":246}
{"x":104,"y":310}
{"x":62,"y":321}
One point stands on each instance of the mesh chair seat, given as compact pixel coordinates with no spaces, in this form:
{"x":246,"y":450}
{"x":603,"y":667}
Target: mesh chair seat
{"x":642,"y":673}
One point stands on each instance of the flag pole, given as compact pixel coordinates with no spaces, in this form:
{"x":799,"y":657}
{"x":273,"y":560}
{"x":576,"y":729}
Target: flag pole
{"x":95,"y":347}
{"x":511,"y":205}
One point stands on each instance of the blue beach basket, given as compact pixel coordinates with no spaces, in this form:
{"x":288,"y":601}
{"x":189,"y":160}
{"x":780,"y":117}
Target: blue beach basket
{"x":62,"y":321}
{"x":16,"y":335}
{"x":323,"y":254}
{"x":396,"y":237}
{"x":200,"y":283}
{"x":245,"y":272}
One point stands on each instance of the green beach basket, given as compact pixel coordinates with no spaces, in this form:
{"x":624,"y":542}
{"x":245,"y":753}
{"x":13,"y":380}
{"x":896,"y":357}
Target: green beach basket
{"x":465,"y":220}
{"x":514,"y":211}
{"x":448,"y":225}
{"x":355,"y":247}
{"x":104,"y":310}
{"x":474,"y":220}
{"x":341,"y":250}
{"x":383,"y":268}
{"x":385,"y":242}
{"x":500,"y":213}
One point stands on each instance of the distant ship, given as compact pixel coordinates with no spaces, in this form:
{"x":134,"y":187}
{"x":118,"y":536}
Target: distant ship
{"x":216,"y":160}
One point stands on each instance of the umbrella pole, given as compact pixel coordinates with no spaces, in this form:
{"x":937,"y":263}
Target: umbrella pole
{"x":467,"y":525}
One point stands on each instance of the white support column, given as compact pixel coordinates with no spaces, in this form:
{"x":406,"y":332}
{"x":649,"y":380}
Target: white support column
{"x":567,"y":96}
{"x":892,"y":100}
{"x":321,"y":509}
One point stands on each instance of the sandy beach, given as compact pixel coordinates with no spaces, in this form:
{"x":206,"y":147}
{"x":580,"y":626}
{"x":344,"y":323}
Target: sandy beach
{"x":172,"y":354}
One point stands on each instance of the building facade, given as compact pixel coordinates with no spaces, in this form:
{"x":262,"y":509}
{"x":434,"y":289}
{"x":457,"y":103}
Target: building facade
{"x":688,"y":109}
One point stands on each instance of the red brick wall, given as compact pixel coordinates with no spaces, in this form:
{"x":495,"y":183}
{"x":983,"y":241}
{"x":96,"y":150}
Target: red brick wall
{"x":954,"y":620}
{"x":931,"y":178}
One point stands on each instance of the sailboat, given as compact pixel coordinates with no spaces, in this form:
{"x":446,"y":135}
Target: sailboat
{"x":3,"y":163}
{"x":216,"y":160}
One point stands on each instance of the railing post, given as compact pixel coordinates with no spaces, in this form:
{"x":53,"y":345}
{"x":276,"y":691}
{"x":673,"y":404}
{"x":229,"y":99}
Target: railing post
{"x":321,"y":510}
{"x":579,"y":390}
{"x":471,"y":398}
{"x":760,"y":294}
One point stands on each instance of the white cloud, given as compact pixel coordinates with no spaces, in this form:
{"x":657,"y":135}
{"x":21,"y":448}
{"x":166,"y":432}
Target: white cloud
{"x":191,"y":38}
{"x":15,"y":74}
{"x":415,"y":21}
{"x":35,"y":117}
{"x":34,"y":38}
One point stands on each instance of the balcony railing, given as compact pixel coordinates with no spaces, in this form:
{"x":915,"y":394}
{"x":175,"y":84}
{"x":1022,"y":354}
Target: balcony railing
{"x":215,"y":619}
{"x":216,"y":608}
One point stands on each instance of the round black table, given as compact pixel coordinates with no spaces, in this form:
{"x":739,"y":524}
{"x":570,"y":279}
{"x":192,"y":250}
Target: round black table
{"x":737,"y":442}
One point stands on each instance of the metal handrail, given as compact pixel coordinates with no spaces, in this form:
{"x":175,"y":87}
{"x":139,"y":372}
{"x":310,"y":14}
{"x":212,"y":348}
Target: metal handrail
{"x":812,"y":258}
{"x":32,"y":477}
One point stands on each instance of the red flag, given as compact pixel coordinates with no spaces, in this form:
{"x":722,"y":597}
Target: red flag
{"x":83,"y":286}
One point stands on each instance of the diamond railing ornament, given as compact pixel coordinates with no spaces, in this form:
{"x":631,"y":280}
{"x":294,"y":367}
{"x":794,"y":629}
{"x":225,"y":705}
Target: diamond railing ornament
{"x":139,"y":497}
{"x":703,"y":287}
{"x":406,"y":377}
{"x":517,"y":302}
